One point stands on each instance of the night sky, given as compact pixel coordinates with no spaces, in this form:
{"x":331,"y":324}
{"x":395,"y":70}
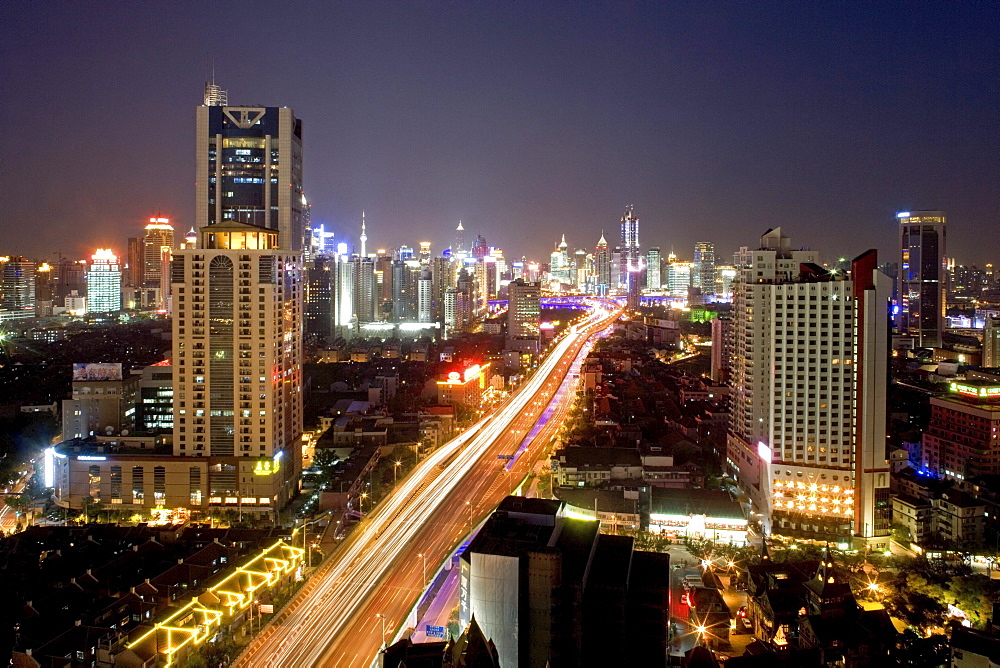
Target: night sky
{"x":524,"y":119}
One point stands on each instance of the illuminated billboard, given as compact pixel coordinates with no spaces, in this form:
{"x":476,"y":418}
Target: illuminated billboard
{"x":97,"y":371}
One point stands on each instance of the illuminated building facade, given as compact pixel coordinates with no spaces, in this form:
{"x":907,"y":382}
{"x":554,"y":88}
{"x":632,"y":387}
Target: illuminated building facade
{"x":249,"y":169}
{"x":991,"y":341}
{"x":602,"y":266}
{"x":104,"y":283}
{"x":628,"y":250}
{"x":920,"y":309}
{"x":962,"y":440}
{"x":18,"y":295}
{"x":654,"y":262}
{"x":237,"y":357}
{"x":465,"y":386}
{"x":703,"y":269}
{"x":808,"y":376}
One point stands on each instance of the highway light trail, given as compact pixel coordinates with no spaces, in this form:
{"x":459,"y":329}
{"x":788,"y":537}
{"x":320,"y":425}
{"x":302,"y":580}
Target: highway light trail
{"x":333,"y":620}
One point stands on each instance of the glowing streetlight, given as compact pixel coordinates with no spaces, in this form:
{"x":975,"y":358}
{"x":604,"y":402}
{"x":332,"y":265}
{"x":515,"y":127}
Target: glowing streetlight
{"x":423,"y":558}
{"x":395,"y":468}
{"x":364,"y":495}
{"x":701,"y":629}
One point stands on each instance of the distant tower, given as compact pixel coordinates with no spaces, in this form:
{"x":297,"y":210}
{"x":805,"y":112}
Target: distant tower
{"x":104,"y":283}
{"x":459,"y":237}
{"x":921,"y":285}
{"x":602,"y":262}
{"x":364,"y":237}
{"x":703,"y":268}
{"x":629,"y":253}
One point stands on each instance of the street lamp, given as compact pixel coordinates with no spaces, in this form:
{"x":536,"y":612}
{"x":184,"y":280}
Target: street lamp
{"x":469,"y":504}
{"x":364,"y":495}
{"x":382,"y":619}
{"x":423,"y":558}
{"x":395,"y":468}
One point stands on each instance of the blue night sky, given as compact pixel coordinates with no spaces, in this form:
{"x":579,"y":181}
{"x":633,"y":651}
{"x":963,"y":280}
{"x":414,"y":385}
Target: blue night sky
{"x":526,"y":120}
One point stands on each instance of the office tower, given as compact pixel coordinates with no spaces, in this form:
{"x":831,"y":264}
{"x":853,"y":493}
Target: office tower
{"x":384,"y":280}
{"x":653,"y":264}
{"x":479,"y":247}
{"x":133,"y":272}
{"x":523,"y":314}
{"x":44,"y":290}
{"x":237,"y":359}
{"x":104,"y":283}
{"x":319,"y":297}
{"x":560,"y":270}
{"x":678,"y":277}
{"x":249,"y":169}
{"x":70,"y":280}
{"x":703,"y":269}
{"x":459,"y":238}
{"x":19,"y":287}
{"x":425,"y":252}
{"x":442,"y":278}
{"x":807,"y":347}
{"x":629,"y":248}
{"x":159,"y":235}
{"x":581,"y":269}
{"x":425,"y":295}
{"x":405,"y":274}
{"x":921,"y":287}
{"x":364,"y":289}
{"x":602,"y":265}
{"x":633,"y":286}
{"x":991,"y":342}
{"x":344,"y":319}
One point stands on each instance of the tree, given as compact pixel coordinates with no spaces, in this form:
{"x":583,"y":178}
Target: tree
{"x":19,"y":503}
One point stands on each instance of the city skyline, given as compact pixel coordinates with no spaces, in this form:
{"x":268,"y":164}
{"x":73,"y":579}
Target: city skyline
{"x":499,"y":116}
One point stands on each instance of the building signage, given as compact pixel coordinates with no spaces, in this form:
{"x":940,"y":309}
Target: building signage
{"x":435,"y":631}
{"x":97,"y":371}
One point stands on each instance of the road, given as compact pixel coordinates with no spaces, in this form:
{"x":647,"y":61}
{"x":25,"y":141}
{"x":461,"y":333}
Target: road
{"x":364,"y":593}
{"x":8,"y":517}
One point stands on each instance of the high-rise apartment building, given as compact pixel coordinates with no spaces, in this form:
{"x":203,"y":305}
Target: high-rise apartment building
{"x":808,"y":376}
{"x":344,"y":319}
{"x":991,"y":342}
{"x":249,"y":169}
{"x":629,"y":250}
{"x":364,"y":289}
{"x":104,"y":283}
{"x":237,"y":359}
{"x":703,"y":269}
{"x":654,"y":263}
{"x":920,"y":308}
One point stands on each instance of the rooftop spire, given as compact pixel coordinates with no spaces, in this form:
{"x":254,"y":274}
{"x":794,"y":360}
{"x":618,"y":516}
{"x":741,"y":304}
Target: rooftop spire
{"x":364,"y":237}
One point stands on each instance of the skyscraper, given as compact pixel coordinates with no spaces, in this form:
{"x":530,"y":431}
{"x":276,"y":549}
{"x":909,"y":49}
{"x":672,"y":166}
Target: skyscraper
{"x":238,"y":310}
{"x":808,"y":376}
{"x":237,"y":358}
{"x":459,"y":238}
{"x":629,"y":248}
{"x":921,"y":286}
{"x":653,"y":265}
{"x":249,"y":169}
{"x":523,"y":315}
{"x":104,"y":283}
{"x":363,"y":237}
{"x":703,"y":269}
{"x":319,"y":287}
{"x":602,"y":265}
{"x":18,"y":288}
{"x":157,"y":245}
